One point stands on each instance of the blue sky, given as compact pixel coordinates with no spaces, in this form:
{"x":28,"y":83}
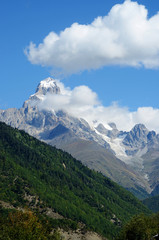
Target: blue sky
{"x":23,"y":21}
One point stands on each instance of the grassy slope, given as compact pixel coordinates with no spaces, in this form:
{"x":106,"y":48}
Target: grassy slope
{"x":62,"y":183}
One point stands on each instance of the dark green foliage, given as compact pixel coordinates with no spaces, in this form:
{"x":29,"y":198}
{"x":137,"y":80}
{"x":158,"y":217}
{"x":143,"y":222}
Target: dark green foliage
{"x":141,"y":228}
{"x":152,"y":203}
{"x":62,"y":183}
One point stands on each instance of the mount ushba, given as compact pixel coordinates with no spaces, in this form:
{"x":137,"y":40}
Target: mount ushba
{"x":129,"y":158}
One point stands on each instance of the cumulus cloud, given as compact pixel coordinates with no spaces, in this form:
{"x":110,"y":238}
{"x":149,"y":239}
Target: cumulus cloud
{"x":125,"y":36}
{"x":76,"y":102}
{"x":82,"y":102}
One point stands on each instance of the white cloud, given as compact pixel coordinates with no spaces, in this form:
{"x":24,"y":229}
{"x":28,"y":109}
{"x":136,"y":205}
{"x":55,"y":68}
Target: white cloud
{"x":76,"y":102}
{"x":82,"y":102}
{"x":125,"y":36}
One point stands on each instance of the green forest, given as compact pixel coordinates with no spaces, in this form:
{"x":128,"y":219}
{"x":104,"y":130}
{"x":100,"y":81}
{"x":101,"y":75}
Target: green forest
{"x":29,"y":167}
{"x":141,"y":227}
{"x":152,"y":203}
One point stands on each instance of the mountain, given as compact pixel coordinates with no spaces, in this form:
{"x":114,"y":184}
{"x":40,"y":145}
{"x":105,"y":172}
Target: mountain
{"x":152,"y":203}
{"x":140,"y":139}
{"x":151,"y":167}
{"x":117,"y":154}
{"x":96,"y":157}
{"x":51,"y":181}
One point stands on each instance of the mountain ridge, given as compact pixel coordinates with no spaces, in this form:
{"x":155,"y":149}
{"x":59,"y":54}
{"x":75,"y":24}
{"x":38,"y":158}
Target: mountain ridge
{"x":129,"y":147}
{"x":29,"y":167}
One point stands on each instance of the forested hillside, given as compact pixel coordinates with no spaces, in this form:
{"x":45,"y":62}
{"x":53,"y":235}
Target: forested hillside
{"x":152,"y":203}
{"x":29,"y":167}
{"x":141,"y":227}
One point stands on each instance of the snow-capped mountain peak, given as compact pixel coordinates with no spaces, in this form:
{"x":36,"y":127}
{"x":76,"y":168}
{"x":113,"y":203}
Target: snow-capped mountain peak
{"x":48,"y":85}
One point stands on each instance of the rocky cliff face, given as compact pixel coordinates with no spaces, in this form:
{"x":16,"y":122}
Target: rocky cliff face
{"x":137,"y":137}
{"x":61,"y":129}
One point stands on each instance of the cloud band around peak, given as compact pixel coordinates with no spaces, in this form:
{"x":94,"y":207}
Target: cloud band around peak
{"x":82,"y":102}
